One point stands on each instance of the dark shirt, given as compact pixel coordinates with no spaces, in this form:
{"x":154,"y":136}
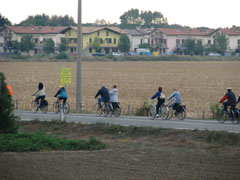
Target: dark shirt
{"x":103,"y":92}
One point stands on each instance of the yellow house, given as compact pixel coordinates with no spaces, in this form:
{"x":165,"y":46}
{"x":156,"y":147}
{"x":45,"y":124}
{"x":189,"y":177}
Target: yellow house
{"x":108,"y":37}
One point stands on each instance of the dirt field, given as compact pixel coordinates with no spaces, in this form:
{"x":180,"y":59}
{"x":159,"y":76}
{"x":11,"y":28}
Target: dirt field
{"x":200,"y":83}
{"x":161,"y":155}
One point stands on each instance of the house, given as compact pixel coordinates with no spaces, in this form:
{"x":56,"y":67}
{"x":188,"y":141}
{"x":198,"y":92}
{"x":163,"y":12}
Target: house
{"x":2,"y":40}
{"x":232,"y":34}
{"x":108,"y":37}
{"x":39,"y":35}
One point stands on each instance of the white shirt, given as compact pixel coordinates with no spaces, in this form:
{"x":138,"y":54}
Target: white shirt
{"x":114,"y":95}
{"x":42,"y":92}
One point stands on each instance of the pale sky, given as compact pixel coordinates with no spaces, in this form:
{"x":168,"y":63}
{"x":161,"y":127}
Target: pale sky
{"x":193,"y":13}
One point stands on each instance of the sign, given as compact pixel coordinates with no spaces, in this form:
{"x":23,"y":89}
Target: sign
{"x":65,"y":76}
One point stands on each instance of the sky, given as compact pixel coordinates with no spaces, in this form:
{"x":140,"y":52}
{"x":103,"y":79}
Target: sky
{"x":193,"y":13}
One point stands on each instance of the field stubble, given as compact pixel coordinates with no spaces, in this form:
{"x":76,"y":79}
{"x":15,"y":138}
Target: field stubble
{"x":200,"y":83}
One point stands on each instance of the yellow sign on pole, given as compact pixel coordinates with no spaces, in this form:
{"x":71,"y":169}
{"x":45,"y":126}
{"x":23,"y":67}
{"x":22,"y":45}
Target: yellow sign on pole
{"x":65,"y":76}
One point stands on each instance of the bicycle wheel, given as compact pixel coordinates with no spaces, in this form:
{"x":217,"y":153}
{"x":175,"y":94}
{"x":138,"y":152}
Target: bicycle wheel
{"x":170,"y":113}
{"x":66,"y":108}
{"x":152,"y":111}
{"x":34,"y":106}
{"x":56,"y":107}
{"x":164,"y":112}
{"x":182,"y":114}
{"x":117,"y":112}
{"x":232,"y":117}
{"x":97,"y":110}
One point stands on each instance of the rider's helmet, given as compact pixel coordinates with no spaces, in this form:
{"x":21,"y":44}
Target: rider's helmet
{"x":60,"y":86}
{"x":229,"y":89}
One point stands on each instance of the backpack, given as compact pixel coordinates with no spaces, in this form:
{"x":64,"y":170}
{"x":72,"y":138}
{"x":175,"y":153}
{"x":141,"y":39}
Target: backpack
{"x":162,"y":96}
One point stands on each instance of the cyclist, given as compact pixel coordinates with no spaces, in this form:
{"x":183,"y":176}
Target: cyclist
{"x":114,"y":96}
{"x":177,"y":98}
{"x":160,"y":98}
{"x":41,"y":90}
{"x":105,"y":97}
{"x":62,"y":94}
{"x":231,"y":99}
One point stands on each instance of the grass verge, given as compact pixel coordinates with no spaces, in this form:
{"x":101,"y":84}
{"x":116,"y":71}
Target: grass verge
{"x":39,"y":141}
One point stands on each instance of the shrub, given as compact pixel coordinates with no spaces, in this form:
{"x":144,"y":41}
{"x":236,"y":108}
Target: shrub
{"x":216,"y":111}
{"x":61,"y":56}
{"x":143,"y":110}
{"x":7,"y":118}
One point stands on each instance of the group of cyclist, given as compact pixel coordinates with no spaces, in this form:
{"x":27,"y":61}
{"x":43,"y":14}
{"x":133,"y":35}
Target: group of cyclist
{"x":40,"y":94}
{"x":108,"y":96}
{"x":229,"y":99}
{"x":176,"y":96}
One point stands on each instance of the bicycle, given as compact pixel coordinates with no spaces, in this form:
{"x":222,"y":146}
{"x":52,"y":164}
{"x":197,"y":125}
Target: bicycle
{"x":117,"y":110}
{"x":231,"y":115}
{"x":103,"y":110}
{"x":180,"y":111}
{"x":57,"y":106}
{"x":163,"y":111}
{"x":43,"y":106}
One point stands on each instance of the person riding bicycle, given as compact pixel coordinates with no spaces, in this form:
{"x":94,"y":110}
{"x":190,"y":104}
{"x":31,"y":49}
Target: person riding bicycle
{"x":114,"y":97}
{"x":41,"y":91}
{"x":62,"y":94}
{"x":105,"y":97}
{"x":231,"y":99}
{"x":177,"y":99}
{"x":160,"y":98}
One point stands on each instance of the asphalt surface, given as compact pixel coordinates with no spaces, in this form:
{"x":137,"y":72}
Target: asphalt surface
{"x":191,"y":124}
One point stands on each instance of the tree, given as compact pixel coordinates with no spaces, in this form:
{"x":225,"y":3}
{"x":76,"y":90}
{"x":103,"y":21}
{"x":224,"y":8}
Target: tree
{"x":221,"y":43}
{"x":199,"y":47}
{"x":7,"y":118}
{"x":190,"y":45}
{"x":63,"y":46}
{"x":101,"y":22}
{"x":96,"y":44}
{"x":4,"y":21}
{"x":133,"y":19}
{"x":45,"y":20}
{"x":145,"y":45}
{"x":49,"y":46}
{"x":13,"y":45}
{"x":124,"y":43}
{"x":26,"y":44}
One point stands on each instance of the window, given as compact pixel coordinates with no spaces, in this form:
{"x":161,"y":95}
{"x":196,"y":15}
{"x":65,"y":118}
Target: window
{"x":36,"y":40}
{"x":90,"y":40}
{"x":101,"y":41}
{"x":90,"y":50}
{"x":115,"y":41}
{"x":209,"y":41}
{"x":141,"y":41}
{"x":152,"y":42}
{"x":177,"y":41}
{"x":148,"y":41}
{"x":165,"y":41}
{"x":107,"y":33}
{"x":98,"y":33}
{"x":238,"y":41}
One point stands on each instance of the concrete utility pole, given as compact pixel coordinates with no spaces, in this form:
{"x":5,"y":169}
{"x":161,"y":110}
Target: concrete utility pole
{"x":79,"y":60}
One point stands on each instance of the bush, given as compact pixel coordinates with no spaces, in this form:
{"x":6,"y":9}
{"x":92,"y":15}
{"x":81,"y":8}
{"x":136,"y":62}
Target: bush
{"x":7,"y":118}
{"x":143,"y":110}
{"x":39,"y":141}
{"x":61,"y":56}
{"x":216,"y":111}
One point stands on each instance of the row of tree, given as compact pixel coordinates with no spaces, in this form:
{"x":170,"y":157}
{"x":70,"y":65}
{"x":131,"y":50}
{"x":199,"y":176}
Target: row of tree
{"x":131,"y":19}
{"x":27,"y":45}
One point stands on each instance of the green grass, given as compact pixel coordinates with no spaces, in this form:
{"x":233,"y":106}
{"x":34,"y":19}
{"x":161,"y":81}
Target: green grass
{"x":26,"y":142}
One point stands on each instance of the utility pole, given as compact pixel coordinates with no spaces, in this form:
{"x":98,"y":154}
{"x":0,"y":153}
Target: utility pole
{"x":79,"y":60}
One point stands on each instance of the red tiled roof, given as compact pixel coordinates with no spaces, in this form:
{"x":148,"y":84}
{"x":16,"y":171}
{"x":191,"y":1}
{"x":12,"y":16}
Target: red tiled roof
{"x":87,"y":30}
{"x":186,"y":31}
{"x":231,"y":31}
{"x":37,"y":29}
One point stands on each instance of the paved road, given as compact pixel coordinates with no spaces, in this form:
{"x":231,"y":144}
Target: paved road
{"x":211,"y":125}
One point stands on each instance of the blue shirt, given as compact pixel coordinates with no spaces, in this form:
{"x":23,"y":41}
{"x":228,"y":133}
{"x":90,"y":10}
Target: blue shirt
{"x":177,"y":97}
